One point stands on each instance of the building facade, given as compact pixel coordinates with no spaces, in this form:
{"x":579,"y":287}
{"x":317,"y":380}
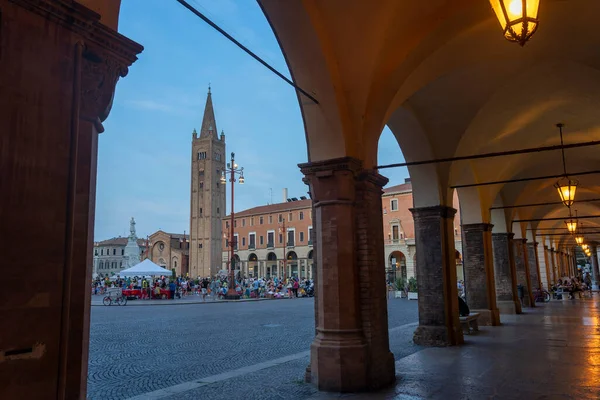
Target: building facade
{"x":260,"y":249}
{"x":170,"y":251}
{"x":110,"y":256}
{"x":399,"y":232}
{"x":272,"y":240}
{"x":207,"y":203}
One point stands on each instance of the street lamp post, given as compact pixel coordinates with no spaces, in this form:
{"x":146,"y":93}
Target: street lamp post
{"x":283,"y":233}
{"x":233,"y":170}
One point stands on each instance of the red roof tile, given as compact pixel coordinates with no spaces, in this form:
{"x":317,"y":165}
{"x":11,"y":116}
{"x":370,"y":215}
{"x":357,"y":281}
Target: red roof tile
{"x":274,"y":208}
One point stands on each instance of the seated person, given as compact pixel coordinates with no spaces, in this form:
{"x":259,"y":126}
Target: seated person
{"x":463,"y":308}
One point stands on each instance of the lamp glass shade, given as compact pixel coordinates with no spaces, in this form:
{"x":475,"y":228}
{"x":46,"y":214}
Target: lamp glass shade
{"x":579,"y":239}
{"x":241,"y":180}
{"x":566,"y":190}
{"x":571,"y":225}
{"x":584,"y":246}
{"x":518,"y":18}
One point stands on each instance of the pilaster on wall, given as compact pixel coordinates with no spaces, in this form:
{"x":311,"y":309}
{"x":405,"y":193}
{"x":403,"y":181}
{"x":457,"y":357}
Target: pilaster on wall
{"x":555,"y":274}
{"x":522,"y":267}
{"x":505,"y":273}
{"x":595,"y":270}
{"x":351,"y":349}
{"x":479,"y":272}
{"x":436,"y":277}
{"x":534,"y":270}
{"x":58,"y":70}
{"x":547,"y":268}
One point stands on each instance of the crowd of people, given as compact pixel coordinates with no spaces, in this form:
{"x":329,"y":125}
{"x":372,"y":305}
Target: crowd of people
{"x":575,"y":285}
{"x":210,"y":287}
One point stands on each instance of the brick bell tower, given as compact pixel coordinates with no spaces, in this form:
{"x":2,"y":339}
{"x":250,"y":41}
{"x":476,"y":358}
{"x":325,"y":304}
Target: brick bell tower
{"x":207,"y":196}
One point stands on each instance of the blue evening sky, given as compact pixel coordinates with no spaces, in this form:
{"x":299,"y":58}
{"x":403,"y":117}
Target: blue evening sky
{"x":144,"y":154}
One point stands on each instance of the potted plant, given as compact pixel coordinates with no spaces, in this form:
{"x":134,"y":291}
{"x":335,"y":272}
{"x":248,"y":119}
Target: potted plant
{"x":400,"y":287}
{"x":412,"y":289}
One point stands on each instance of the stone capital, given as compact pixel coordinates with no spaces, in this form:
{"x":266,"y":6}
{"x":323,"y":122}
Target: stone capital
{"x":482,"y":226}
{"x":508,"y":235}
{"x":325,"y":168}
{"x":373,"y":179}
{"x":332,"y":181}
{"x":102,"y":55}
{"x":423,"y":213}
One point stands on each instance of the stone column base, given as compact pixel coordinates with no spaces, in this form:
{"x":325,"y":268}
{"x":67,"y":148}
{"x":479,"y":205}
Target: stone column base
{"x":488,"y":317}
{"x":509,"y":307}
{"x":338,"y":364}
{"x":433,"y":335}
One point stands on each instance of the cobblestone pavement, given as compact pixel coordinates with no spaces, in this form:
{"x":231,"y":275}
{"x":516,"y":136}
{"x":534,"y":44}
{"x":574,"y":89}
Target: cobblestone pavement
{"x":136,"y":350}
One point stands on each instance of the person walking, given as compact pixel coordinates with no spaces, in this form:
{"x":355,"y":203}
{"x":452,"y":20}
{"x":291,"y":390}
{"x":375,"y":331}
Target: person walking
{"x":172,"y":288}
{"x":204,"y":287}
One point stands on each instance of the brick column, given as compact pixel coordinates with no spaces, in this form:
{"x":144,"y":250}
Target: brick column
{"x":58,"y":70}
{"x":595,"y":271}
{"x":371,"y":263}
{"x":351,"y":349}
{"x":521,"y":266}
{"x":505,"y":274}
{"x":436,"y":277}
{"x":534,"y":269}
{"x":479,"y":272}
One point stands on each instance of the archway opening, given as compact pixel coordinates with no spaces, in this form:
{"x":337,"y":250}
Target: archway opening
{"x":291,"y":264}
{"x":271,"y":270}
{"x":253,"y":266}
{"x":396,"y":267}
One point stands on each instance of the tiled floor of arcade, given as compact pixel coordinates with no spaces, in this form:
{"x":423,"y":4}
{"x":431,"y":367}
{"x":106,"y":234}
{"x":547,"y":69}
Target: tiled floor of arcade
{"x":550,"y":352}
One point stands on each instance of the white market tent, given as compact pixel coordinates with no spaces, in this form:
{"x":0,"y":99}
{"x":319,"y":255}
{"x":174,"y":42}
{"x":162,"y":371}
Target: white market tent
{"x":145,"y":268}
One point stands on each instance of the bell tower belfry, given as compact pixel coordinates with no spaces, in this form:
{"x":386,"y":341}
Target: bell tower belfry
{"x":207,"y":196}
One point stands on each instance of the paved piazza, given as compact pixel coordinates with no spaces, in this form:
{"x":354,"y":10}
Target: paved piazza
{"x":246,"y":350}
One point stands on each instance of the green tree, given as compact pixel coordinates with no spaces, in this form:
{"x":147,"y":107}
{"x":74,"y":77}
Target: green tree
{"x":412,"y":284}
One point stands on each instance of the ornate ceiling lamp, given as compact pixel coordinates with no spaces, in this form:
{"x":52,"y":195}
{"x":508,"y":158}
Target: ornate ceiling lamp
{"x":579,"y":239}
{"x":518,"y":18}
{"x":571,"y":222}
{"x":566,"y":187}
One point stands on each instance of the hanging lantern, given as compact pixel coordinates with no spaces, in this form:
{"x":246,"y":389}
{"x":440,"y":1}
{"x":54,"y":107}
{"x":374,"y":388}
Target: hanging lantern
{"x":584,"y":246}
{"x":566,"y":190}
{"x":518,"y":18}
{"x":571,"y":225}
{"x":579,"y":240}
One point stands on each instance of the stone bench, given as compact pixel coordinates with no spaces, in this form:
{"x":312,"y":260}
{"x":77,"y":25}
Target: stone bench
{"x":469,"y":323}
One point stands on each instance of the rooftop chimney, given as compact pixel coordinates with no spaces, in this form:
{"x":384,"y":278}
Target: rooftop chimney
{"x":285,"y":194}
{"x":406,"y":180}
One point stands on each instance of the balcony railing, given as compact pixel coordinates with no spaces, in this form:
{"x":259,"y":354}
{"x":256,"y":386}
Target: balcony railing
{"x":270,"y":245}
{"x":252,"y":246}
{"x":310,"y":242}
{"x":290,"y":244}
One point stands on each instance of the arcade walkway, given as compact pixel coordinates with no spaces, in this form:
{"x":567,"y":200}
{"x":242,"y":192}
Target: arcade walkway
{"x":551,"y":352}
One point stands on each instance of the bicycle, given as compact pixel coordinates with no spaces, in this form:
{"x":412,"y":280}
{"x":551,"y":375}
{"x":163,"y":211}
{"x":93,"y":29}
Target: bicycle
{"x":541,"y":296}
{"x":115,"y":296}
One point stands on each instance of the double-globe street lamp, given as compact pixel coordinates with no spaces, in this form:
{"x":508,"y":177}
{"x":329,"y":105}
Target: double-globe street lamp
{"x":233,"y":170}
